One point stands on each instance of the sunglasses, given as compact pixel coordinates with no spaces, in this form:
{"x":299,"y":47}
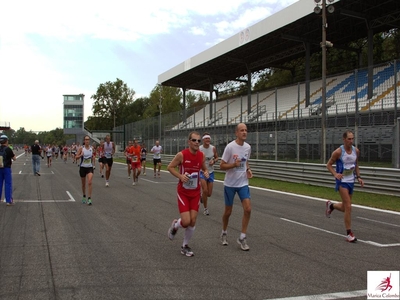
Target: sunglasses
{"x":194,"y":141}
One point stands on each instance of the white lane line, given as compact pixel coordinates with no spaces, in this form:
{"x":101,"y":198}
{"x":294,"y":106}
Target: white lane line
{"x":376,"y":221}
{"x":321,"y":199}
{"x":342,"y":295}
{"x":71,"y":199}
{"x":334,"y":233}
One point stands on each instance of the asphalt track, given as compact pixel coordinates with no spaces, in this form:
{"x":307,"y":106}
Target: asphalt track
{"x":54,"y":247}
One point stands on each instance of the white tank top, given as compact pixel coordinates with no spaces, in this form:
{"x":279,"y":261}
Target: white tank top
{"x":108,"y":148}
{"x":86,"y":159}
{"x":209,"y":154}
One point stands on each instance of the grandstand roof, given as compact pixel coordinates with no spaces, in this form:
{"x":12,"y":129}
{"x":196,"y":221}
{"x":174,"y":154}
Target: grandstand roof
{"x":280,"y":38}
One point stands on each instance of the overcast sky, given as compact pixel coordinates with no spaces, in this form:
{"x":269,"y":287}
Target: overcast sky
{"x":50,"y":48}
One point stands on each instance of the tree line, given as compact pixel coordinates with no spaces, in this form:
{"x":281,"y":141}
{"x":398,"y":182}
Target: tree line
{"x":115,"y":103}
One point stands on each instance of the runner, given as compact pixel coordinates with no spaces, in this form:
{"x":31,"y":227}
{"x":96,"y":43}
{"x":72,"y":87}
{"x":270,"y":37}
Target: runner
{"x":109,"y":150}
{"x":134,"y":154}
{"x":73,"y":152}
{"x":346,"y":160}
{"x":156,"y":150}
{"x":49,"y":155}
{"x":65,"y":151}
{"x":85,"y":154}
{"x":102,"y":158}
{"x":211,"y":155}
{"x":128,"y":158}
{"x":190,"y":161}
{"x":143,"y":156}
{"x":56,"y":150}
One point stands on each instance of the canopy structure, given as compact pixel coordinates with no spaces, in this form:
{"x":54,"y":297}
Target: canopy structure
{"x":289,"y":34}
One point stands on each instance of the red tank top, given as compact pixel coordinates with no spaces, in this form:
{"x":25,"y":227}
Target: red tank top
{"x":191,"y":166}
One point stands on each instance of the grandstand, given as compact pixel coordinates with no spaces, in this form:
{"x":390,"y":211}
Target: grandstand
{"x":283,"y":103}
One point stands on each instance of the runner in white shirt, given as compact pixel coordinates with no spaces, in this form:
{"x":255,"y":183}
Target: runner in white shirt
{"x":211,"y":155}
{"x":109,"y":150}
{"x":156,"y":150}
{"x":85,"y":154}
{"x":235,"y":161}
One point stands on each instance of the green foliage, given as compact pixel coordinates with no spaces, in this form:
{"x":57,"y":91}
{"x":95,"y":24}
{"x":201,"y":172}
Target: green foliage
{"x":23,"y":137}
{"x":111,"y":101}
{"x":169,"y":97}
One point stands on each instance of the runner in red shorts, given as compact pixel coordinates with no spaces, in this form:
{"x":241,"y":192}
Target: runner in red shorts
{"x":190,"y":162}
{"x":134,"y":153}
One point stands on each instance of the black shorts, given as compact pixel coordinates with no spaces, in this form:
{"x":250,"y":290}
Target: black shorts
{"x":102,"y":160}
{"x":83,"y":171}
{"x":156,"y":161}
{"x":142,"y":159}
{"x":109,"y":161}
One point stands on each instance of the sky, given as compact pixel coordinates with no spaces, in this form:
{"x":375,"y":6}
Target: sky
{"x":51,"y":48}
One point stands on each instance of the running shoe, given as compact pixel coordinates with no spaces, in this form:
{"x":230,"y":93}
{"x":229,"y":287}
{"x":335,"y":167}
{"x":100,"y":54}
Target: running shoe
{"x":10,"y":203}
{"x":187,"y":251}
{"x":129,"y":177}
{"x":133,"y":183}
{"x":144,"y":174}
{"x":328,"y":210}
{"x":89,"y":202}
{"x":351,"y":238}
{"x":107,"y":184}
{"x":83,"y":200}
{"x":243,"y":244}
{"x":172,"y":231}
{"x":102,"y":176}
{"x":159,"y":175}
{"x":224,"y":239}
{"x":206,"y":213}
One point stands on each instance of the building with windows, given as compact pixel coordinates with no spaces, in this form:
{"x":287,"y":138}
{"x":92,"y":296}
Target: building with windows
{"x":73,"y":114}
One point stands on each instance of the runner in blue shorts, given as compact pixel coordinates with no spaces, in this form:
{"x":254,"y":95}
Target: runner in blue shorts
{"x":235,"y":161}
{"x":211,"y":155}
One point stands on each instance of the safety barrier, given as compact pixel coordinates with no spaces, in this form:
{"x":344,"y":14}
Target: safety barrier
{"x":376,"y":180}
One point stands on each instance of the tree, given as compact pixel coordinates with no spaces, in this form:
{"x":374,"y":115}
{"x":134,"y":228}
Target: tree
{"x":111,"y":100}
{"x":170,"y":97}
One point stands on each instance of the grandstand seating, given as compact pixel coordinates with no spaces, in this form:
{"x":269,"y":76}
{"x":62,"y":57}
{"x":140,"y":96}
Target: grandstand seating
{"x":340,"y":95}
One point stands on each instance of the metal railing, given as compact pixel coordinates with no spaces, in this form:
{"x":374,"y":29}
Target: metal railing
{"x":376,"y":180}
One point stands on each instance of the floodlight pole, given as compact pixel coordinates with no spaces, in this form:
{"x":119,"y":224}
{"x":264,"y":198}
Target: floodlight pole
{"x":323,"y":116}
{"x":159,"y":123}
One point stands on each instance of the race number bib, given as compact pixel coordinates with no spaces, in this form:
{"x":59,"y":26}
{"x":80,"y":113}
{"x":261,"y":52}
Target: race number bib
{"x":193,"y":181}
{"x":242,"y":166}
{"x":108,"y":155}
{"x":134,"y":158}
{"x":87,"y":161}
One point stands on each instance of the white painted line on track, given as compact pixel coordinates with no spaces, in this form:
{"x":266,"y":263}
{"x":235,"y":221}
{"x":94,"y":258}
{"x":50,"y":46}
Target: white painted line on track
{"x":380,"y":222}
{"x":324,"y":200}
{"x":341,"y":295}
{"x":334,"y":233}
{"x":71,"y":199}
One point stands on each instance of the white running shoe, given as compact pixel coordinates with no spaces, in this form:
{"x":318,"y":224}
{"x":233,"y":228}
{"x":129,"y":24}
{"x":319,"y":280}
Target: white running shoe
{"x":243,"y":244}
{"x":224,"y":239}
{"x":107,"y":184}
{"x":172,"y":231}
{"x":328,"y":210}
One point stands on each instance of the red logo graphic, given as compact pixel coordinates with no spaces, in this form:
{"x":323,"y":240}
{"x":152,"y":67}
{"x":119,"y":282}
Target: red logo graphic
{"x":385,"y":284}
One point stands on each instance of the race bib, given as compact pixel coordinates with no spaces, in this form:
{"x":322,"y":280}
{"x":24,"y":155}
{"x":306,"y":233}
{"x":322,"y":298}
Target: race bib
{"x":108,"y":155}
{"x":87,"y":161}
{"x":192,"y":183}
{"x":134,"y":158}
